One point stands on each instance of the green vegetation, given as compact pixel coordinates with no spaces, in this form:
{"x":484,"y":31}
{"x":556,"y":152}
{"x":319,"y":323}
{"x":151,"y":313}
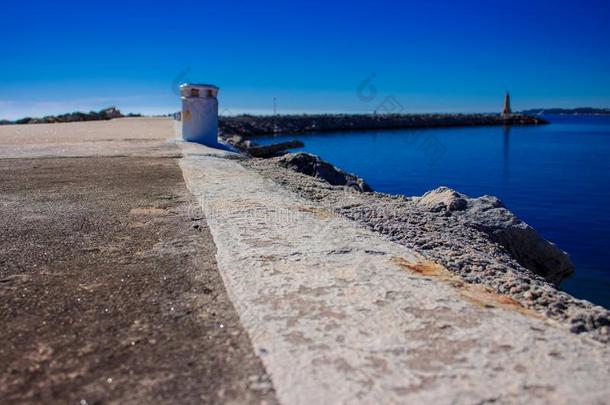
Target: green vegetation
{"x":105,"y":114}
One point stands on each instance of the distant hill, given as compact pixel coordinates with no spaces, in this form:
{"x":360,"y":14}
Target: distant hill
{"x":105,"y":114}
{"x":568,"y":111}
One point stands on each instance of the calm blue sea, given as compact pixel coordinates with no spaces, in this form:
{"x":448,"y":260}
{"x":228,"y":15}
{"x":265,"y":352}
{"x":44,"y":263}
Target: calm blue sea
{"x":555,"y":177}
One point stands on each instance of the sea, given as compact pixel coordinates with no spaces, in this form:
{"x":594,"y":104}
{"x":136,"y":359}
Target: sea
{"x":554,"y":177}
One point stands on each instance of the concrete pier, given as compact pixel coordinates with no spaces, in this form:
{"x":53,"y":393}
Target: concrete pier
{"x":340,"y":315}
{"x":137,"y":268}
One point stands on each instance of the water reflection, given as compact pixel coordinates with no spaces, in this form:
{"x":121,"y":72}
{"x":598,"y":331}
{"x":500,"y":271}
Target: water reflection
{"x":506,"y":150}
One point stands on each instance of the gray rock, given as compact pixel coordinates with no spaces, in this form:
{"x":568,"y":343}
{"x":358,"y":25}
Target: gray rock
{"x":276,"y":149}
{"x":442,"y":198}
{"x":250,"y":148}
{"x":312,"y":165}
{"x":489,"y":215}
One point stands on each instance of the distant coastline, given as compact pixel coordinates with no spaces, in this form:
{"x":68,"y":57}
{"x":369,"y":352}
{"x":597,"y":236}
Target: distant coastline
{"x":105,"y":114}
{"x":567,"y":111}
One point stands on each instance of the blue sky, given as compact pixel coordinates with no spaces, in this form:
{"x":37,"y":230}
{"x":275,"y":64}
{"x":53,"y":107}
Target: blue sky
{"x":447,"y":56}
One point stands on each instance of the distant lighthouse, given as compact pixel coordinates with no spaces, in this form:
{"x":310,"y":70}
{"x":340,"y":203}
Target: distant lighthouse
{"x":506,"y":112}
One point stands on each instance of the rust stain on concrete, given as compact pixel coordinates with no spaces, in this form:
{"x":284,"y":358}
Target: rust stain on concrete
{"x":426,"y":268}
{"x":477,"y":294}
{"x":317,"y":212}
{"x":474,"y":293}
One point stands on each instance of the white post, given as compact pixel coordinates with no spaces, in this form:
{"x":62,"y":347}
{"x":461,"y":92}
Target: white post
{"x":200,"y":113}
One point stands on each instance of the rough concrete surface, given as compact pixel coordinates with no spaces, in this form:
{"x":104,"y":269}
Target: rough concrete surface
{"x":109,"y":289}
{"x":476,"y":238}
{"x":341,"y":315}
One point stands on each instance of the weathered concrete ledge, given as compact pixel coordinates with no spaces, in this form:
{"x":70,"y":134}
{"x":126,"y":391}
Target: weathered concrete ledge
{"x":340,"y":314}
{"x":253,"y":125}
{"x":476,"y":238}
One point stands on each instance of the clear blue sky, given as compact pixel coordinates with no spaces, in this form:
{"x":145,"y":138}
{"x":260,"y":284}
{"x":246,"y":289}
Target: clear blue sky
{"x":313,"y":56}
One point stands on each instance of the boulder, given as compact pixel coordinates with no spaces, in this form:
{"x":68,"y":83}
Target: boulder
{"x":312,"y":165}
{"x":250,"y":148}
{"x":273,"y":150}
{"x":442,"y":199}
{"x":238,"y":141}
{"x":489,"y":215}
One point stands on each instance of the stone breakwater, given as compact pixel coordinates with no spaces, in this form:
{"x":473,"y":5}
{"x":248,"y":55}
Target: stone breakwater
{"x":251,"y":125}
{"x":478,"y":239}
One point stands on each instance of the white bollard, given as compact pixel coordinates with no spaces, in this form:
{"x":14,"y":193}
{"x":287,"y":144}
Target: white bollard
{"x":199,"y":113}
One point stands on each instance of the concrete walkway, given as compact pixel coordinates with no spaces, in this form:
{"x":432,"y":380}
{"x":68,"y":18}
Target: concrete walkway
{"x":109,"y":290}
{"x":340,"y":315}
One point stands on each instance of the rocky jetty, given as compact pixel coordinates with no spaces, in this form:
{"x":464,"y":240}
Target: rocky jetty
{"x":476,"y":238}
{"x":568,"y":111}
{"x":252,"y":125}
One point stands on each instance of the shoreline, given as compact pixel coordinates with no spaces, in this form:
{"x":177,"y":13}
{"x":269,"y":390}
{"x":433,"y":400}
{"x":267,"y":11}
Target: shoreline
{"x":442,"y":236}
